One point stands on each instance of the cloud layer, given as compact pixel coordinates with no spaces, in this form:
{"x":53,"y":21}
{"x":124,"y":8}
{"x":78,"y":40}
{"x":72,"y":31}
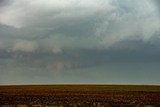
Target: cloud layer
{"x":80,"y":24}
{"x":46,"y":37}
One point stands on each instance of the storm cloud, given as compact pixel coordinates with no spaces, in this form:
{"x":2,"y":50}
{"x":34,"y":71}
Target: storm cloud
{"x":82,"y":24}
{"x":56,"y":35}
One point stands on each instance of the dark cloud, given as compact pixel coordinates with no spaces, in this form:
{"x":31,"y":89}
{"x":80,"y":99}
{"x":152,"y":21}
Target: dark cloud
{"x":4,"y":3}
{"x":157,"y":2}
{"x":42,"y":38}
{"x":58,"y":26}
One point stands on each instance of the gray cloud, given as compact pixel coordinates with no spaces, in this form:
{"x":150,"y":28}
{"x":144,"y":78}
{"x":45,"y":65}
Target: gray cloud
{"x":26,"y":46}
{"x":157,"y":2}
{"x":4,"y":2}
{"x":80,"y":24}
{"x":56,"y":11}
{"x":42,"y":37}
{"x":56,"y":27}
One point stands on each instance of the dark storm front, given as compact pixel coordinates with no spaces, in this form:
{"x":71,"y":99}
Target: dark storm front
{"x":80,"y":96}
{"x":82,"y":41}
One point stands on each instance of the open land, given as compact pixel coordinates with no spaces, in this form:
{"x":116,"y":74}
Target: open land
{"x":79,"y":96}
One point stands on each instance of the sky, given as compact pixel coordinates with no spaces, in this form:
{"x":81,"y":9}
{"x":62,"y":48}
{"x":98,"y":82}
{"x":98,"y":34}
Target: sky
{"x":80,"y":42}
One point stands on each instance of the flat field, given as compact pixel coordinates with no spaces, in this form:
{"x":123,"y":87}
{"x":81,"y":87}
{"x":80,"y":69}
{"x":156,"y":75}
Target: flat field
{"x":79,"y":96}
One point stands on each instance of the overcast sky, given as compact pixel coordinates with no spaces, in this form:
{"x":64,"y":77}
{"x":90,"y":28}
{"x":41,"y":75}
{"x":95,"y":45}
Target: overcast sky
{"x":79,"y":41}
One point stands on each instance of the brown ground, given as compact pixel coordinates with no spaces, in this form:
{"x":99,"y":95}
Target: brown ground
{"x":80,"y":96}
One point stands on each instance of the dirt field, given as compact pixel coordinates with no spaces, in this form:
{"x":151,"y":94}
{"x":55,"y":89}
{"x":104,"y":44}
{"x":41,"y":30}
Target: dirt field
{"x":79,"y":96}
